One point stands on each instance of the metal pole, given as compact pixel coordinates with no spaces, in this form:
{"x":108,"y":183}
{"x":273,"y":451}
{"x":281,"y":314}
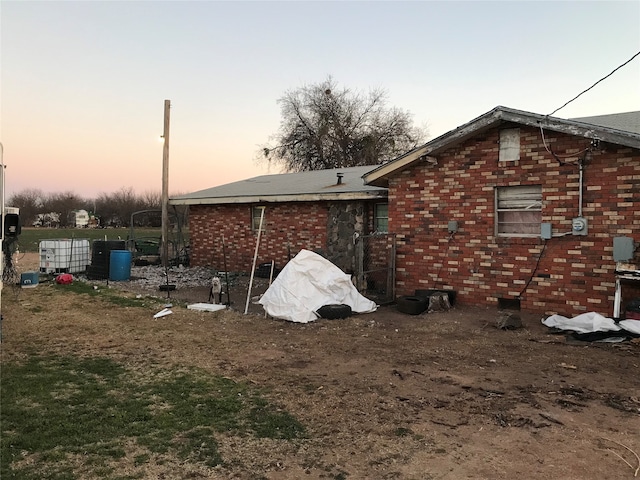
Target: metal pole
{"x":581,"y":167}
{"x":616,"y":300}
{"x":226,"y":272}
{"x":1,"y":230}
{"x":273,"y":266}
{"x":165,"y":187}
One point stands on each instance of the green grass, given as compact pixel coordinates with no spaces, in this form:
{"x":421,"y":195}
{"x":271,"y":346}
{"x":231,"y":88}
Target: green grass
{"x":114,"y":297}
{"x":29,"y":239}
{"x":58,"y":409}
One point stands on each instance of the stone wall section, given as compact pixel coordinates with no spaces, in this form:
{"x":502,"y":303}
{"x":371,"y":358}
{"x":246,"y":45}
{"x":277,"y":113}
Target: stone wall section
{"x":345,"y":220}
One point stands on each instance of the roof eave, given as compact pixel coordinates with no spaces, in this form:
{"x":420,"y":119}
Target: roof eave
{"x":311,"y":197}
{"x":380,"y":176}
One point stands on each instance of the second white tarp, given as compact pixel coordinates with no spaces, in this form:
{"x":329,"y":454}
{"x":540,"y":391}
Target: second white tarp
{"x":583,"y":323}
{"x":592,"y":322}
{"x":308,"y":282}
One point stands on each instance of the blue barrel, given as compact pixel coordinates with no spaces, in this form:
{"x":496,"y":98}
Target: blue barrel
{"x":119,"y":265}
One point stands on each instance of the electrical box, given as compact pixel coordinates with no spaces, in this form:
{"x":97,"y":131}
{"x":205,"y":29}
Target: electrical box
{"x":453,"y":226}
{"x":579,"y":226}
{"x":622,"y":249}
{"x":11,"y":225}
{"x":11,"y":222}
{"x":545,"y":231}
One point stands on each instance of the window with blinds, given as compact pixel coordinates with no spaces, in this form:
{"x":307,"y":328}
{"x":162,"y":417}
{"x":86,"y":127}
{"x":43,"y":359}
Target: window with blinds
{"x":518,"y":211}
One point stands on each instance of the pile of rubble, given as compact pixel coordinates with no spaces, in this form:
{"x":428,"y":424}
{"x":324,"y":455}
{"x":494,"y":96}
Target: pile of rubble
{"x":151,"y":276}
{"x":193,"y":285}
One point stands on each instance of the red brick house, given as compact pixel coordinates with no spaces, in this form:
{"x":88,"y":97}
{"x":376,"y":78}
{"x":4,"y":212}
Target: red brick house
{"x":319,"y":211}
{"x":517,"y":209}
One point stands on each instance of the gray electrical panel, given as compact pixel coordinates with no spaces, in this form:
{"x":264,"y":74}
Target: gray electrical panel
{"x":622,"y":249}
{"x":545,"y":231}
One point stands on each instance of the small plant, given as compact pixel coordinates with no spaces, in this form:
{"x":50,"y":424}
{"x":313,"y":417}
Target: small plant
{"x":402,"y":432}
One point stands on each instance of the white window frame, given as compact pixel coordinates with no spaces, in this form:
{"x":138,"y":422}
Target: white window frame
{"x":256,"y":212}
{"x":377,"y":218}
{"x":518,"y":211}
{"x":509,"y":145}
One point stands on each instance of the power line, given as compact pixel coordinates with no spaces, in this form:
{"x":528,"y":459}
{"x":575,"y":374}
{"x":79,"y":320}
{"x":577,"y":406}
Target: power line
{"x":603,"y":78}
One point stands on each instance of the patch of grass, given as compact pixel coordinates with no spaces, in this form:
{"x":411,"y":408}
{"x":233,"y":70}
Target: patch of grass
{"x":402,"y":432}
{"x":56,"y":409}
{"x":29,"y":239}
{"x":115,"y":297}
{"x":268,"y":422}
{"x":141,"y":459}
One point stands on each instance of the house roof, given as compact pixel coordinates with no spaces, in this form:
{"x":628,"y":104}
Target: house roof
{"x":596,"y":128}
{"x":628,"y":122}
{"x":289,"y":187}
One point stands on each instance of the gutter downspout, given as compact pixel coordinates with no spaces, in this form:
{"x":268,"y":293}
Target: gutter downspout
{"x":581,"y":170}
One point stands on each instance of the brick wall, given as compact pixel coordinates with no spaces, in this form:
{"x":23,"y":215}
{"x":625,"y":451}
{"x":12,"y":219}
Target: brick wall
{"x":288,"y":228}
{"x":566,"y":274}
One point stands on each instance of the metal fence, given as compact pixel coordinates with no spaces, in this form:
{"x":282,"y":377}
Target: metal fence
{"x":376,"y":266}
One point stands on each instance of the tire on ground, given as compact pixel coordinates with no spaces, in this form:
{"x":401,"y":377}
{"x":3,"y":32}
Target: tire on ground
{"x":412,"y":305}
{"x":333,"y":311}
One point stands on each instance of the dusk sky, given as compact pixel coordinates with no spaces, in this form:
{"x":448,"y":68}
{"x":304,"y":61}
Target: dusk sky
{"x":83,"y":83}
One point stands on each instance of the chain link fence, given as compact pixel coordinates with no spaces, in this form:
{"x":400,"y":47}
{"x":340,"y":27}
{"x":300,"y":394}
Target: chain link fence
{"x":375,"y":266}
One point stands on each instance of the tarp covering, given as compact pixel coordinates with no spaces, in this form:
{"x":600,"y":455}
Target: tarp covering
{"x":592,"y":322}
{"x":308,"y":282}
{"x":583,"y":323}
{"x":632,"y":326}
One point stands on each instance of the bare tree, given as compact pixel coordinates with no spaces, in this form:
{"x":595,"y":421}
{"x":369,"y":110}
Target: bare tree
{"x":152,"y":199}
{"x":64,"y":204}
{"x":116,"y":208}
{"x":30,"y":202}
{"x":326,"y":127}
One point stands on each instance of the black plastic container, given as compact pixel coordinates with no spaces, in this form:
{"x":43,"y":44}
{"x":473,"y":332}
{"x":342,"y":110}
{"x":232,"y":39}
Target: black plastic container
{"x":632,"y":310}
{"x":101,"y":256}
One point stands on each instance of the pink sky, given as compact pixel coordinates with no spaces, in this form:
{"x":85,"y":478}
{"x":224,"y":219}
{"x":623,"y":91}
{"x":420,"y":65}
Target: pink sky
{"x":84,"y":83}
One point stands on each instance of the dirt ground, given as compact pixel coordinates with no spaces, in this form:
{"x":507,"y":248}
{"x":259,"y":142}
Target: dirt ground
{"x":383,"y":395}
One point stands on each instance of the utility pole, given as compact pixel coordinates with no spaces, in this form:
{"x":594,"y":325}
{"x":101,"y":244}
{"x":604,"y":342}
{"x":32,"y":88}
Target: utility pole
{"x":165,"y":187}
{"x":1,"y":230}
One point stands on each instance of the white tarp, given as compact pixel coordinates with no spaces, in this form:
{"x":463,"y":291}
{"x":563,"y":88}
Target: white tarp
{"x":583,"y":323}
{"x":307,"y":283}
{"x":591,"y":322}
{"x":632,"y":326}
{"x":206,"y":307}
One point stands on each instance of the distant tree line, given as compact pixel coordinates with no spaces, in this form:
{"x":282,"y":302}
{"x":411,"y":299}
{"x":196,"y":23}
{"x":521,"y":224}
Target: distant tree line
{"x":111,"y":209}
